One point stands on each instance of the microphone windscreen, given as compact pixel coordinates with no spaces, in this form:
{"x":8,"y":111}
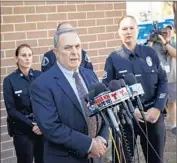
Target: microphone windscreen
{"x":114,"y":85}
{"x":122,"y":82}
{"x":95,"y":89}
{"x":130,"y":79}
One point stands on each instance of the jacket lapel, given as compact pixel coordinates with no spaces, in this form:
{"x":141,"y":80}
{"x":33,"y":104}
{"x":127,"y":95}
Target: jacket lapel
{"x":66,"y":87}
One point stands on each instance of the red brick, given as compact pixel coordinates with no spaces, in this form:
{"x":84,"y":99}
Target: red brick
{"x":95,"y":15}
{"x":36,"y":18}
{"x":2,"y":54}
{"x":34,"y":3}
{"x":86,"y":7}
{"x":107,"y":36}
{"x":7,"y":28}
{"x":92,"y":53}
{"x":88,"y":38}
{"x":113,"y":43}
{"x":36,"y":59}
{"x":47,"y":25}
{"x":37,"y":34}
{"x":81,"y":31}
{"x":85,"y":45}
{"x":86,"y":23}
{"x":100,"y":74}
{"x":113,"y":13}
{"x":120,"y":5}
{"x":96,"y":45}
{"x":3,"y":72}
{"x":14,"y":36}
{"x":3,"y":114}
{"x":31,"y":43}
{"x":10,"y":53}
{"x":98,"y":29}
{"x":7,"y":62}
{"x":8,"y":45}
{"x":45,"y":9}
{"x":3,"y":129}
{"x":107,"y":21}
{"x":104,"y":6}
{"x":112,"y":28}
{"x":40,"y":51}
{"x":66,"y":8}
{"x":6,"y":10}
{"x":10,"y":3}
{"x":45,"y":42}
{"x":105,"y":51}
{"x":25,"y":27}
{"x":7,"y":145}
{"x":55,"y":3}
{"x":79,"y":15}
{"x":13,"y":19}
{"x":51,"y":33}
{"x":6,"y":153}
{"x":60,"y":16}
{"x":11,"y":69}
{"x":24,"y":10}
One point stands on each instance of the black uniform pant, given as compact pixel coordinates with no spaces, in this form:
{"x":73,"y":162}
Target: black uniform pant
{"x":28,"y":147}
{"x":156,"y":135}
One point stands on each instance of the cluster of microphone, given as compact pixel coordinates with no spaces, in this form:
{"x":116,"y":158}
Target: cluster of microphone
{"x":116,"y":98}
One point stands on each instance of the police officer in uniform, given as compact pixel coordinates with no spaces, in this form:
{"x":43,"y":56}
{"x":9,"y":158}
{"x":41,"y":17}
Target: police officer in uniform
{"x":49,"y":60}
{"x":144,"y":63}
{"x":49,"y":57}
{"x":27,"y":137}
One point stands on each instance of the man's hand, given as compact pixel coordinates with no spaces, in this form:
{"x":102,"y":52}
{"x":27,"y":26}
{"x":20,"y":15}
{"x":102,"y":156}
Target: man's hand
{"x":36,"y":129}
{"x":163,"y":41}
{"x":98,"y":148}
{"x":153,"y":115}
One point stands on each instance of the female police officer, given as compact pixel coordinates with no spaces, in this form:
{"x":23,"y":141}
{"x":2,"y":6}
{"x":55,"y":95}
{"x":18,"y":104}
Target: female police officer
{"x":27,"y":137}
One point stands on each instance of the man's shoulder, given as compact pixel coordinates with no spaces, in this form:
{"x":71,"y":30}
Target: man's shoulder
{"x":49,"y":53}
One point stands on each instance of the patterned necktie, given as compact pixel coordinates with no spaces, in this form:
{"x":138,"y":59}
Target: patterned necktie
{"x":92,"y":124}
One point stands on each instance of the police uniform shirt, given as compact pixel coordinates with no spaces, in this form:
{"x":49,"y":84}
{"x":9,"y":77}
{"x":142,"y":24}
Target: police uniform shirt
{"x":144,"y":63}
{"x":16,"y":89}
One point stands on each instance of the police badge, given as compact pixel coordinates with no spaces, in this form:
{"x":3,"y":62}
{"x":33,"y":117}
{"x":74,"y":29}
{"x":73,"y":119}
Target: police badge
{"x":149,"y":61}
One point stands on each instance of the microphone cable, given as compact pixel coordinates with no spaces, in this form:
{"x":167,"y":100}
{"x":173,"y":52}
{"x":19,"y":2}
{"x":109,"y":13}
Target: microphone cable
{"x":112,"y":138}
{"x":149,"y":143}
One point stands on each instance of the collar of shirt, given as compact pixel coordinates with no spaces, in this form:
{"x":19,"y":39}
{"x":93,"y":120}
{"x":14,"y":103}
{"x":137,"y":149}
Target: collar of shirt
{"x":129,"y":53}
{"x":30,"y":73}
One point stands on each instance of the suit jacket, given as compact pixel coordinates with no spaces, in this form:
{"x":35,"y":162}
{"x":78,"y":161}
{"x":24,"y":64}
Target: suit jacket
{"x":60,"y":117}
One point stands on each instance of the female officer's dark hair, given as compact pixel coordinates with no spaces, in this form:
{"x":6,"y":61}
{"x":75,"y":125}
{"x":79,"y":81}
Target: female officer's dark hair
{"x":20,"y":47}
{"x":126,"y":16}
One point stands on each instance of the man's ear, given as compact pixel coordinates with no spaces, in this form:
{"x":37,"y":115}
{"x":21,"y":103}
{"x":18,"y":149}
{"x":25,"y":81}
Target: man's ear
{"x":55,"y":50}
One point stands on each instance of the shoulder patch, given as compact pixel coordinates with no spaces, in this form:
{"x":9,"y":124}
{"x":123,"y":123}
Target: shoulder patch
{"x":87,"y":59}
{"x":45,"y":61}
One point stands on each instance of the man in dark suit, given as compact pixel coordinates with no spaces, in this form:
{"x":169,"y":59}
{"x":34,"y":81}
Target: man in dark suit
{"x":60,"y":111}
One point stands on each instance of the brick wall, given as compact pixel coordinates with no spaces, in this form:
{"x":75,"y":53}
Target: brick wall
{"x":35,"y":22}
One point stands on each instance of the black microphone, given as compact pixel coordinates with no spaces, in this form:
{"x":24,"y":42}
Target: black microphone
{"x":130,"y":79}
{"x":113,"y":86}
{"x":130,"y":105}
{"x":96,"y":90}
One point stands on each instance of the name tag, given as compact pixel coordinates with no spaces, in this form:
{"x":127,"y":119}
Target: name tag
{"x":19,"y":91}
{"x":167,"y":68}
{"x":123,"y":71}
